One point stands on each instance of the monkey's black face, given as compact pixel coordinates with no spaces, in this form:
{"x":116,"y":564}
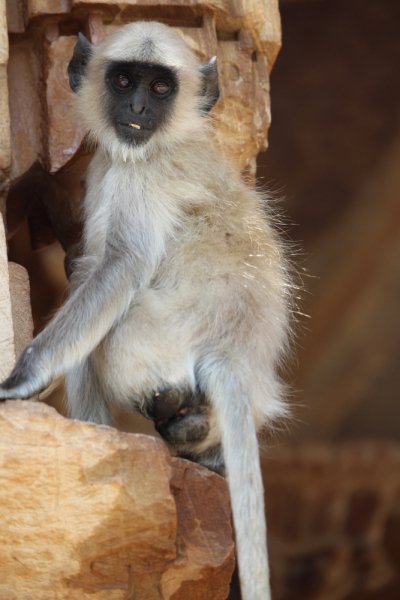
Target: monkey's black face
{"x":140,"y":97}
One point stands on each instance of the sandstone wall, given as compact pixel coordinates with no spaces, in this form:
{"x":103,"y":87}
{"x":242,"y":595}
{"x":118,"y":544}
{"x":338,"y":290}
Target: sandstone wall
{"x":91,"y":513}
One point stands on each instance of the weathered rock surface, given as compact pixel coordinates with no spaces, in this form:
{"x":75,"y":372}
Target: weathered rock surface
{"x":7,"y":350}
{"x":27,"y":131}
{"x":20,"y":307}
{"x":65,"y":132}
{"x":16,"y":325}
{"x":5,"y":148}
{"x":89,"y":512}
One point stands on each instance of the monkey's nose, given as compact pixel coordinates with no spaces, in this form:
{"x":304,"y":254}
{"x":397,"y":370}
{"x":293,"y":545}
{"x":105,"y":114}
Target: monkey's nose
{"x":137,"y":108}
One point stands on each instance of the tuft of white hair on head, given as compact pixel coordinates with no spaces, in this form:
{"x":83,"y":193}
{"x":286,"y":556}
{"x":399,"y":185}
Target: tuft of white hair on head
{"x":149,"y":42}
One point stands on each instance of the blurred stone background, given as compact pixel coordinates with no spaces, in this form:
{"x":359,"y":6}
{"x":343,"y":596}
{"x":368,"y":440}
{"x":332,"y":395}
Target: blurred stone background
{"x":332,"y":476}
{"x":334,"y":154}
{"x":334,"y":158}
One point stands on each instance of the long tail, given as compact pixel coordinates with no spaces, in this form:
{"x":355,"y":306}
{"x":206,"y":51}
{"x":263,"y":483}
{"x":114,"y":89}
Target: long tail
{"x":232,"y":404}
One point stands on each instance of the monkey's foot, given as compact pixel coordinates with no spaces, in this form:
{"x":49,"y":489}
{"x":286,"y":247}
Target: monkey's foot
{"x":184,"y":428}
{"x":180,"y":415}
{"x":184,"y":431}
{"x":182,"y":418}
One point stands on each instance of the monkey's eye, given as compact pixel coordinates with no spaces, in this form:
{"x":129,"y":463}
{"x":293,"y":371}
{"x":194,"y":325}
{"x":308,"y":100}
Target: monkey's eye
{"x":122,"y":81}
{"x":160,"y":87}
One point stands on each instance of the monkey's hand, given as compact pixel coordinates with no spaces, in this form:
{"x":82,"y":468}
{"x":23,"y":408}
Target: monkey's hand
{"x":29,"y":376}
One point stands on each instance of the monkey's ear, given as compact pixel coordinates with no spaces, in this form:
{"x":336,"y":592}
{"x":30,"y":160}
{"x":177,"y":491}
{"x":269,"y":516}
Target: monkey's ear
{"x":209,"y":72}
{"x":77,"y":66}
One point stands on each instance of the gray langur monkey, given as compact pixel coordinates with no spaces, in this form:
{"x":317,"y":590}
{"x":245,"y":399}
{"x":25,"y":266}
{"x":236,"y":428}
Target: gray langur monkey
{"x":179,"y":306}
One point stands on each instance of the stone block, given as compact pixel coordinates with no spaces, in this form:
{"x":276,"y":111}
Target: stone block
{"x":24,"y":82}
{"x":3,"y":34}
{"x":92,"y":513}
{"x":202,"y":40}
{"x":5,"y":141}
{"x":258,"y":18}
{"x":5,"y":148}
{"x":37,"y":8}
{"x":234,"y":110}
{"x":270,"y":32}
{"x":16,"y":325}
{"x":7,"y":349}
{"x":261,"y":102}
{"x":203,"y":524}
{"x":20,"y":307}
{"x":65,"y":132}
{"x":15,"y":16}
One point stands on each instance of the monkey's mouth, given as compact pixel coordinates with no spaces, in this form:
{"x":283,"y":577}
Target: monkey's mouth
{"x":132,"y":133}
{"x":134,"y":126}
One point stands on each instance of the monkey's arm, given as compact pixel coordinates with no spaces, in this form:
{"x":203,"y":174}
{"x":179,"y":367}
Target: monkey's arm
{"x":80,"y":324}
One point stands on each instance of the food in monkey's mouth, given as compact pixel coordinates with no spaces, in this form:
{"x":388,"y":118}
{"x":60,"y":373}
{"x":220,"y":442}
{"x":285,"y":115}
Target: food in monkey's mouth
{"x":134,"y":125}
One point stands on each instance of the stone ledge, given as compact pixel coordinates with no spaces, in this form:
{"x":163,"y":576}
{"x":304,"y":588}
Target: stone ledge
{"x":89,"y":512}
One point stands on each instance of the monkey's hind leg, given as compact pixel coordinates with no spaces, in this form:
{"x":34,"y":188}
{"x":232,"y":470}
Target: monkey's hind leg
{"x":182,"y":418}
{"x":87,"y":400}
